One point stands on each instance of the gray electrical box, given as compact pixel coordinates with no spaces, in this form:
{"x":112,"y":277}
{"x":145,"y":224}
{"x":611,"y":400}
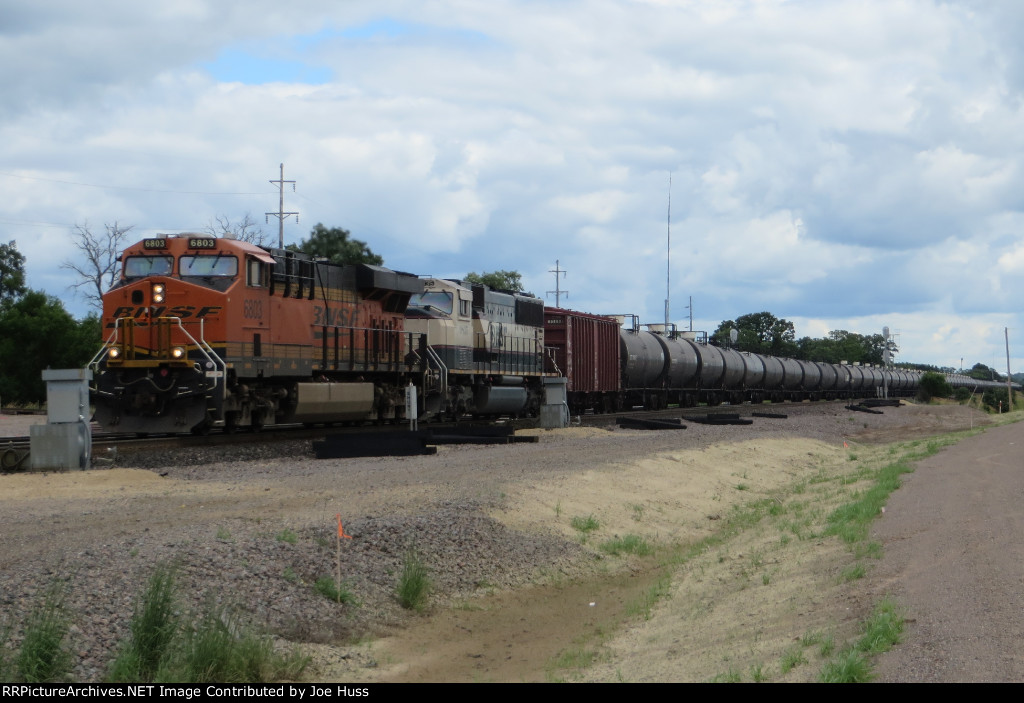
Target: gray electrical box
{"x":65,"y":442}
{"x":555,"y":411}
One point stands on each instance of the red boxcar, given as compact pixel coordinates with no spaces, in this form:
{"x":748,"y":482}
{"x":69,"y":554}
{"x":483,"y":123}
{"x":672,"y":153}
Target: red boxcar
{"x":584,"y":349}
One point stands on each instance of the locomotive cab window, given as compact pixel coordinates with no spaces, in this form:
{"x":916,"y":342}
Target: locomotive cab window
{"x":208,"y":265}
{"x":142,"y":266}
{"x":254,"y":273}
{"x":439,"y":300}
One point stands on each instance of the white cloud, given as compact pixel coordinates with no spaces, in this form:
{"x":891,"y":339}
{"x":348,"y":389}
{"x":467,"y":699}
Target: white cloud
{"x":831,"y":160}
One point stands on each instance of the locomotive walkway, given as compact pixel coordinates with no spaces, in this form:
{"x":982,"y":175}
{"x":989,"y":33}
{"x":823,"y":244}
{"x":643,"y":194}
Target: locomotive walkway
{"x":953,"y":539}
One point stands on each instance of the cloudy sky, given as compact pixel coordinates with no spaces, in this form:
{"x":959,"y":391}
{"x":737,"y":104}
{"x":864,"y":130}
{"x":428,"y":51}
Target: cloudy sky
{"x":845,"y":165}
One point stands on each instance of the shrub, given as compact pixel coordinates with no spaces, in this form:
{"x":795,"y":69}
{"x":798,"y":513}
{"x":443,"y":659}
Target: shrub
{"x":933,"y":385}
{"x":993,"y":397}
{"x":962,"y":394}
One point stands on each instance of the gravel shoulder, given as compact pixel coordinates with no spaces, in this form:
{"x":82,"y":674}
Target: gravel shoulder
{"x":514,"y":583}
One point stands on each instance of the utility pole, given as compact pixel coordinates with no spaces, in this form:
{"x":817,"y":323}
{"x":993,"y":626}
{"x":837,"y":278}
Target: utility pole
{"x":558,"y":288}
{"x":1009,"y":381}
{"x":668,"y":252}
{"x":281,"y":214}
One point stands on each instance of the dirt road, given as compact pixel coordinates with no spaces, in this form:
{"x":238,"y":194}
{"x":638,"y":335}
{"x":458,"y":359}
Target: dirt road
{"x":954,"y":559}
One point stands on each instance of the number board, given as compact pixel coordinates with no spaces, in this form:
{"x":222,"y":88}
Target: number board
{"x":154,"y":243}
{"x":202,"y":243}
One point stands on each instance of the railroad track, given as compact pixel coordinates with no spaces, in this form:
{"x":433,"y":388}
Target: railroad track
{"x":14,"y":451}
{"x":692,"y":414}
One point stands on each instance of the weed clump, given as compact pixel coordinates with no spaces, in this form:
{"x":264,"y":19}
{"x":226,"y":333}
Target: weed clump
{"x":216,"y":647}
{"x":153,"y":627}
{"x":339,"y":593}
{"x":584,"y":524}
{"x":413,"y":583}
{"x":630,"y":544}
{"x":42,"y":656}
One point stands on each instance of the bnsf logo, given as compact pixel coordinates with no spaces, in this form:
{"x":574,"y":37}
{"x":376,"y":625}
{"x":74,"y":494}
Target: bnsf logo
{"x":181,"y":311}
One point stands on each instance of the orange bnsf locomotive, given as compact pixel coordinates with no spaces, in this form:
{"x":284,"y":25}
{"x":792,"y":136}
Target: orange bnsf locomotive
{"x":203,"y":332}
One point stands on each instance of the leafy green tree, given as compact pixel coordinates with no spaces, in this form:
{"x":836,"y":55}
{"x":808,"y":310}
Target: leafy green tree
{"x":499,"y":280}
{"x":12,"y":273}
{"x":759,"y":332}
{"x":984,"y":373}
{"x":337,"y":246}
{"x":36,"y":332}
{"x":933,"y":385}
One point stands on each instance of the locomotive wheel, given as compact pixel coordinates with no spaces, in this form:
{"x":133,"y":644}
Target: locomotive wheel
{"x":202,"y":429}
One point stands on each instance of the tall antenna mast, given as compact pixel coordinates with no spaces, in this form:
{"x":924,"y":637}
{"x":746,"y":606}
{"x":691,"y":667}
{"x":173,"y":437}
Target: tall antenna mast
{"x":281,"y":214}
{"x":668,"y":253}
{"x":558,"y":289}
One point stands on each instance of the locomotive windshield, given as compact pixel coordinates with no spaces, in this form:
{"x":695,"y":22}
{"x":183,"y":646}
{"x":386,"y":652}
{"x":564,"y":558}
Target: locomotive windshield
{"x":142,"y":266}
{"x":208,"y":265}
{"x":439,"y":300}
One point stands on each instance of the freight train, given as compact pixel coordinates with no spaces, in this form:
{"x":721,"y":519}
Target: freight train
{"x":204,"y":332}
{"x":611,"y":364}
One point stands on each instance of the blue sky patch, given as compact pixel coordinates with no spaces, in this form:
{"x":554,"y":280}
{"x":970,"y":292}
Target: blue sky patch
{"x":236,"y":65}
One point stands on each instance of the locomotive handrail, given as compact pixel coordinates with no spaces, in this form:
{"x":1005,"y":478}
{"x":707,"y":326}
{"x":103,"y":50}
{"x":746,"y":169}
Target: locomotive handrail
{"x":442,"y":369}
{"x":207,"y":352}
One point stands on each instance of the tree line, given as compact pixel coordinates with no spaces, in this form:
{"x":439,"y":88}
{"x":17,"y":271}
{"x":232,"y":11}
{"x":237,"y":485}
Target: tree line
{"x":764,"y":333}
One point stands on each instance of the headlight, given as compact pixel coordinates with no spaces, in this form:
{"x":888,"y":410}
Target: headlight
{"x":178,"y":352}
{"x":114,"y":352}
{"x":158,"y":293}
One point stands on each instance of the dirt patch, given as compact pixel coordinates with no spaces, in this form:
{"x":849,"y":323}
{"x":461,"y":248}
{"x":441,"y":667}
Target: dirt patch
{"x":514,"y":577}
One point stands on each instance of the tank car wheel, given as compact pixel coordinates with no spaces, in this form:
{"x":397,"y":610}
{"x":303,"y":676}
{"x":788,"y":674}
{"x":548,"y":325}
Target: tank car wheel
{"x":202,"y":429}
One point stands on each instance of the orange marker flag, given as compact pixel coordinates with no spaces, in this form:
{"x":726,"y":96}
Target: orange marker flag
{"x":341,"y":530}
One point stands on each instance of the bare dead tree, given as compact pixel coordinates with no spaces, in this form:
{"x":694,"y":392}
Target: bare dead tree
{"x":244,"y":230}
{"x":97,"y":265}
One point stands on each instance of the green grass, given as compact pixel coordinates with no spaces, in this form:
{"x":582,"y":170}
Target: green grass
{"x":791,"y":658}
{"x":730,"y":676}
{"x":849,"y":667}
{"x":166,"y":646}
{"x":339,"y":593}
{"x":879,"y":633}
{"x":630,"y":544}
{"x":646,"y":602}
{"x":42,"y":656}
{"x":413,"y":588}
{"x":219,"y":649}
{"x":584,"y":524}
{"x":288,"y":536}
{"x":883,"y":629}
{"x":852,"y":573}
{"x":153,"y":628}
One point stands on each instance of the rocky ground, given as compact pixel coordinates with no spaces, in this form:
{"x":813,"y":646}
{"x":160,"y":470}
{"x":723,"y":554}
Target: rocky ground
{"x":254,"y":527}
